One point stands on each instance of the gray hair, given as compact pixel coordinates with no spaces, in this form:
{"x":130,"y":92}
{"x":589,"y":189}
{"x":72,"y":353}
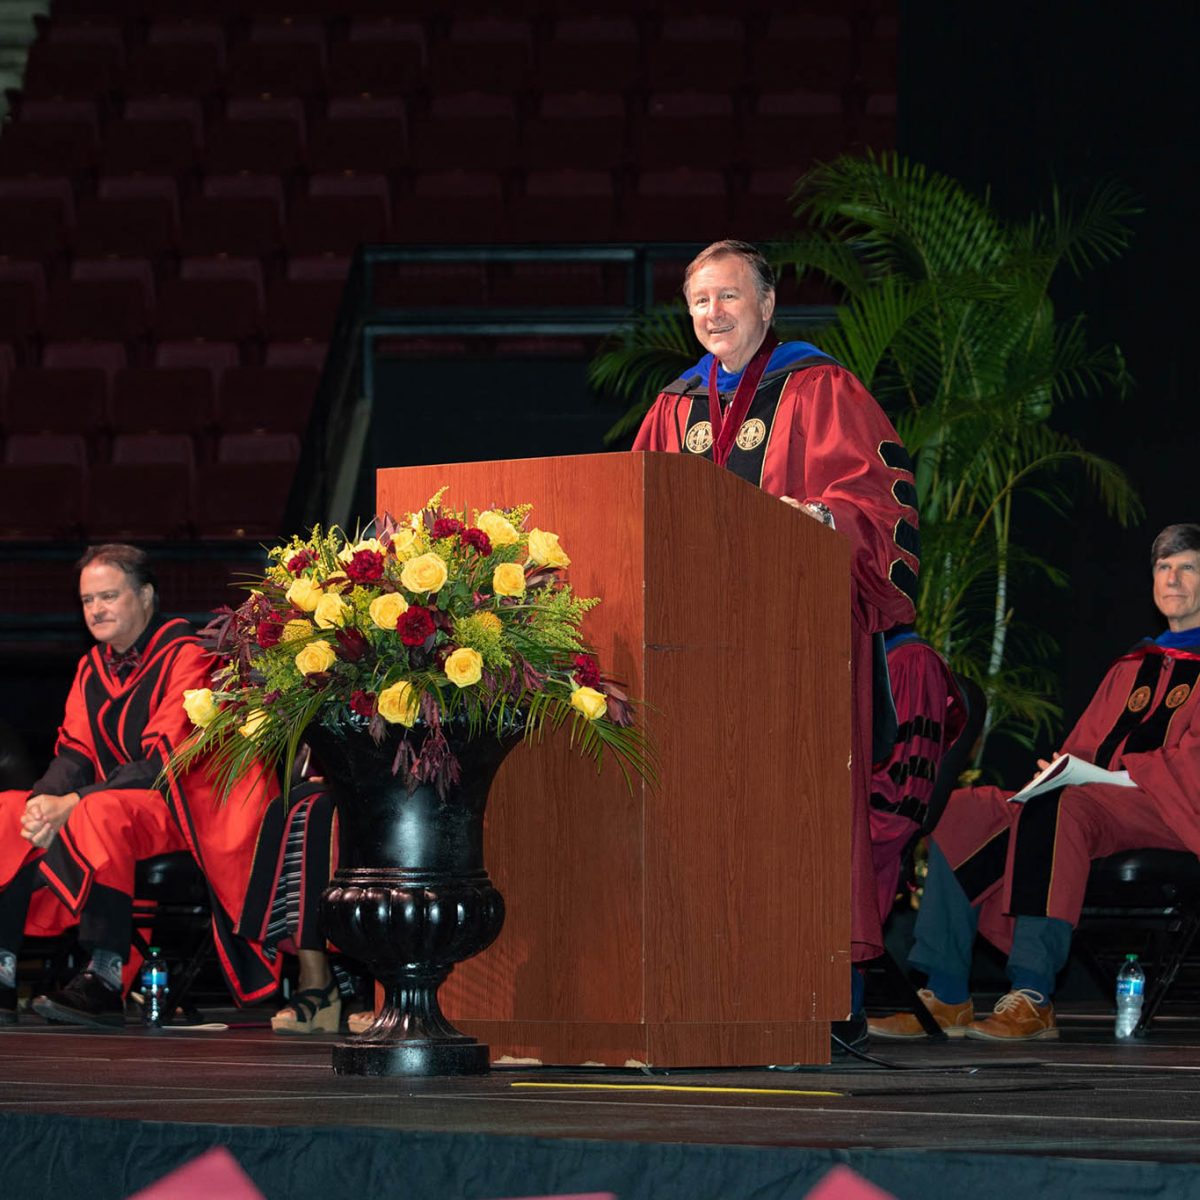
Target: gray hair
{"x":764,"y":274}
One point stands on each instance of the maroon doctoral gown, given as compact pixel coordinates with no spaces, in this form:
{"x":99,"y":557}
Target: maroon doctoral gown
{"x":813,"y":432}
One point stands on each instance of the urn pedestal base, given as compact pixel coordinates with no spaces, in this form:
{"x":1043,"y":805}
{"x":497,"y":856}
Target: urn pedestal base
{"x":410,"y":1058}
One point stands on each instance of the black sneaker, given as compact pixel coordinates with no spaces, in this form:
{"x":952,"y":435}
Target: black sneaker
{"x":86,"y":1000}
{"x":8,"y":1005}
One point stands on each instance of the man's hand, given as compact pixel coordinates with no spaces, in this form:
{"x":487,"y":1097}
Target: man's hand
{"x":809,"y":509}
{"x":1043,"y":763}
{"x":44,"y":816}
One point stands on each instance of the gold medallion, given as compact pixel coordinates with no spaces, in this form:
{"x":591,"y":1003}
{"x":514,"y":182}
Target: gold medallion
{"x":1139,"y":699}
{"x":1177,"y":695}
{"x":751,"y":434}
{"x":699,"y":437}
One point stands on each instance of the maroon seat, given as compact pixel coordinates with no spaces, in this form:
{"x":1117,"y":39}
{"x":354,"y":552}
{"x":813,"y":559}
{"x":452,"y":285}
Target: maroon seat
{"x":361,"y":134}
{"x":65,"y":449}
{"x":585,"y":130}
{"x":156,"y":136}
{"x":552,"y":285}
{"x":40,"y":501}
{"x":264,"y":399}
{"x":108,"y":357}
{"x":305,"y":303}
{"x":590,"y":49}
{"x":452,"y":206}
{"x":211,"y":356}
{"x":338,"y":213}
{"x":687,"y":41}
{"x":74,"y":65}
{"x":686,"y":129}
{"x":258,"y":447}
{"x":176,"y":449}
{"x":241,"y":500}
{"x":176,"y":60}
{"x":490,"y":52}
{"x":37,"y":216}
{"x":431,"y":285}
{"x":169,"y":400}
{"x":677,"y":206}
{"x":803,"y":50}
{"x":264,"y":134}
{"x":130,"y":215}
{"x":762,"y":208}
{"x":139,"y":501}
{"x":476,"y":128}
{"x":379,"y":57}
{"x":307,"y":352}
{"x":62,"y":400}
{"x":284,"y":58}
{"x":105,"y":299}
{"x":792,"y":129}
{"x":215,"y":298}
{"x":237,"y":214}
{"x":564,"y":206}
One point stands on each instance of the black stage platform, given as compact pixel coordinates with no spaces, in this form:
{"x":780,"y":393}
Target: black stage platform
{"x":99,"y":1115}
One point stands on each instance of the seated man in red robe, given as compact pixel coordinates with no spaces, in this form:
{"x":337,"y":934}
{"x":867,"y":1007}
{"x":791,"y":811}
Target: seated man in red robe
{"x":1016,"y":872}
{"x":69,"y":845}
{"x":797,"y":424}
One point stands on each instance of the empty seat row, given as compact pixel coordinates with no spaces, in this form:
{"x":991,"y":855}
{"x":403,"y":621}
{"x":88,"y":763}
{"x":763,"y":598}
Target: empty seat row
{"x":397,"y":56}
{"x":142,"y":501}
{"x":157,"y":400}
{"x":580,"y":128}
{"x":178,"y":450}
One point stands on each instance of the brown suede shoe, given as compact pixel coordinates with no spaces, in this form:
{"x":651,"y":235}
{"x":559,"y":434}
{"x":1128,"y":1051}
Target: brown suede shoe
{"x":903,"y":1027}
{"x":1022,"y":1016}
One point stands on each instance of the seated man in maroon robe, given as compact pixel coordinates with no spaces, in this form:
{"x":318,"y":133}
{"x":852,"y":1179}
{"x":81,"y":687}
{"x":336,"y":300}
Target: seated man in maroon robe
{"x":69,"y":845}
{"x":1016,"y":872}
{"x":789,"y":419}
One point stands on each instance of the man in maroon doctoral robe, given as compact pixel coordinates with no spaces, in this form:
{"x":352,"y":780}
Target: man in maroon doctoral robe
{"x":1017,"y":872}
{"x":790,"y":420}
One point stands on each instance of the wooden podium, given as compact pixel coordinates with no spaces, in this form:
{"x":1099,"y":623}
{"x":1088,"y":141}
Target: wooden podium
{"x":704,"y":921}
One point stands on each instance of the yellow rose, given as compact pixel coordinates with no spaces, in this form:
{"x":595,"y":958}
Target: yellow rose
{"x":464,"y":667}
{"x":545,"y":550}
{"x":399,"y":704}
{"x":316,"y":656}
{"x":425,"y":573}
{"x":304,"y":593}
{"x":387,"y":609}
{"x":404,"y":543}
{"x":293,"y":631}
{"x":590,"y":702}
{"x":500,"y":530}
{"x":508,"y":579}
{"x":348,"y":551}
{"x":254,"y":723}
{"x":200,"y":706}
{"x":331,"y":611}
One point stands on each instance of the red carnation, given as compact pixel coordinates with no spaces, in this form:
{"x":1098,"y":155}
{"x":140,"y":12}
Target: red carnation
{"x":268,"y":632}
{"x":445,"y":527}
{"x":478,"y":540}
{"x":365,"y":566}
{"x":363,"y":703}
{"x":587,"y":671}
{"x":415,"y":626}
{"x":298,"y":562}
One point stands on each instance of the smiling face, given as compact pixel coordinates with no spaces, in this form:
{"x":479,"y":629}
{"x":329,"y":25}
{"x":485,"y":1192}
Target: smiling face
{"x":1177,"y":589}
{"x":115,"y":610}
{"x":728,"y":314}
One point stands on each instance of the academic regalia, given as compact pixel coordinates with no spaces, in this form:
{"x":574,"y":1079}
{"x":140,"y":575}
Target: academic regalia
{"x":1032,"y":859}
{"x":124,"y":717}
{"x":812,"y":431}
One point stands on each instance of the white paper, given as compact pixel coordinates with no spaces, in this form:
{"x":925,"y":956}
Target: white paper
{"x":1069,"y":771}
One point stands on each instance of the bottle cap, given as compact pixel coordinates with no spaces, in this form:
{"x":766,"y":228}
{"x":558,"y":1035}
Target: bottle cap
{"x":154,"y":950}
{"x":1131,"y":958}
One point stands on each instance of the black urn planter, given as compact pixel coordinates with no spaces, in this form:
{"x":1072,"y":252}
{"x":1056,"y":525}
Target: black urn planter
{"x":412,"y":897}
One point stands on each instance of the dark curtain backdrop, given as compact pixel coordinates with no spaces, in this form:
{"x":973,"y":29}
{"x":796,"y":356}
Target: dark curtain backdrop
{"x":1017,"y":98}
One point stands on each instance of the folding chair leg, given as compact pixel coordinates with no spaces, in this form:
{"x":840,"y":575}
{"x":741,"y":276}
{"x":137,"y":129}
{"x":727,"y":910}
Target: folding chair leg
{"x":1168,"y":972}
{"x":904,"y":986}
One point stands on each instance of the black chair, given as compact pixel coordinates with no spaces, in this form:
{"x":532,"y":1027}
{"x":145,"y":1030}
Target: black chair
{"x":171,"y":911}
{"x":953,"y":764}
{"x":1143,"y":901}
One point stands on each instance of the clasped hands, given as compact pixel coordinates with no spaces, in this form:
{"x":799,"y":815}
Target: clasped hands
{"x":44,"y":816}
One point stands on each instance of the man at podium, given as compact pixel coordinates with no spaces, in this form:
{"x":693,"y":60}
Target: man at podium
{"x":792,"y":421}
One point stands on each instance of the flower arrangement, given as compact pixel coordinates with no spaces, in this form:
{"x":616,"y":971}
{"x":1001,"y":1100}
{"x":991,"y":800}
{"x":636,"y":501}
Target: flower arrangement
{"x":430,"y":622}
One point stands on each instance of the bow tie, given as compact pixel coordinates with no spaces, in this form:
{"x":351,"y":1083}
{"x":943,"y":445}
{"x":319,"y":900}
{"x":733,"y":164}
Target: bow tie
{"x":123,"y":665}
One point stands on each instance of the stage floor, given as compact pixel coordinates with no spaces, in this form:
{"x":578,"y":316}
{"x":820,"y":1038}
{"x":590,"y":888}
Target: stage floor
{"x":1084,"y":1096}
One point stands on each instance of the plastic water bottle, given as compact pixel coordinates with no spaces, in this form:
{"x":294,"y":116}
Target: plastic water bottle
{"x":154,"y":989}
{"x":1131,"y":985}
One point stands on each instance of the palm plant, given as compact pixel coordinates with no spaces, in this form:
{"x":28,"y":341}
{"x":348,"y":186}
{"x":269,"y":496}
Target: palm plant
{"x":947,"y":318}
